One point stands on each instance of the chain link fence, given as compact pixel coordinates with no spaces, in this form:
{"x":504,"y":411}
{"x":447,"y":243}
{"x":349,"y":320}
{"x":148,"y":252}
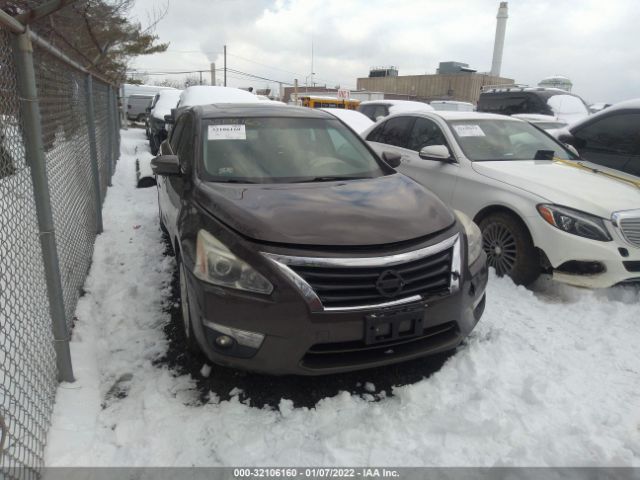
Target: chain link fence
{"x":73,"y":146}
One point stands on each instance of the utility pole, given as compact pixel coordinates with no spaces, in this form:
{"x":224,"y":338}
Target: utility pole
{"x":312,"y":84}
{"x":200,"y":72}
{"x":213,"y":74}
{"x":225,"y":65}
{"x":295,"y":91}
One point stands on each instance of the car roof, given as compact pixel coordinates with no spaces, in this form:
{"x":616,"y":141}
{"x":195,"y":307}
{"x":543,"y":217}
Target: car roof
{"x":392,"y":102}
{"x":632,"y":104}
{"x":258,"y":109}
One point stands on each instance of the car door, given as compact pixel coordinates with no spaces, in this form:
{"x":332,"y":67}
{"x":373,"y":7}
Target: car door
{"x":166,"y":192}
{"x":404,"y":135}
{"x":439,"y":177}
{"x":611,"y":141}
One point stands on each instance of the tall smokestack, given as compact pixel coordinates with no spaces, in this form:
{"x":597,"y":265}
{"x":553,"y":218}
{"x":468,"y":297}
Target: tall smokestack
{"x":498,"y":46}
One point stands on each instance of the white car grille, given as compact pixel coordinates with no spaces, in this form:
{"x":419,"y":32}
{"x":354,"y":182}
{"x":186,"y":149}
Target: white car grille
{"x":630,"y":228}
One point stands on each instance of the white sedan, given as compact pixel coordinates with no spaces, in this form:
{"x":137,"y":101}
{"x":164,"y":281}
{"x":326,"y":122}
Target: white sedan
{"x":539,"y":208}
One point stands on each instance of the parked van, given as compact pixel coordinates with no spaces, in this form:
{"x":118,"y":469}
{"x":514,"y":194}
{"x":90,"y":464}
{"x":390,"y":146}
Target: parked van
{"x":137,"y":107}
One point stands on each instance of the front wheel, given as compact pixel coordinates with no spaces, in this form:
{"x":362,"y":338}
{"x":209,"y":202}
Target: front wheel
{"x":509,"y":248}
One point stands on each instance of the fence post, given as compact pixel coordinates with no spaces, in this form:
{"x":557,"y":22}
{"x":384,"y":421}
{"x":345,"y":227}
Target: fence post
{"x":34,"y":151}
{"x":95,"y":169}
{"x":114,"y":125}
{"x":110,"y":135}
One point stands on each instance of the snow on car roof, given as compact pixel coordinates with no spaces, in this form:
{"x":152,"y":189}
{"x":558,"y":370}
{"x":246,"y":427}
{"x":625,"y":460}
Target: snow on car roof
{"x":401,"y":105}
{"x":208,"y":94}
{"x":457,"y":115}
{"x":167,"y":99}
{"x":356,"y":120}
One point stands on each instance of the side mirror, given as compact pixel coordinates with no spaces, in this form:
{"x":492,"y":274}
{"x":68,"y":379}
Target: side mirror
{"x":166,"y":165}
{"x":439,"y":153}
{"x":168,"y":119}
{"x":392,"y":159}
{"x":379,"y":117}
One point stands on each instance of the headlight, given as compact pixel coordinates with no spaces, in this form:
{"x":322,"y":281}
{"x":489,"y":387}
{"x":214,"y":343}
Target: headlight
{"x":216,"y":264}
{"x":474,"y":236}
{"x":575,"y":222}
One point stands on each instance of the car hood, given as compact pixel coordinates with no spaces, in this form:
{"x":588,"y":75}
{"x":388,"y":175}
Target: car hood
{"x":566,"y":185}
{"x":376,"y":211}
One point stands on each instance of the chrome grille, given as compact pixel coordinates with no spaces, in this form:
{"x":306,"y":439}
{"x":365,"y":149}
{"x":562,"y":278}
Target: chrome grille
{"x":352,"y":286}
{"x":630,"y":228}
{"x":360,"y":283}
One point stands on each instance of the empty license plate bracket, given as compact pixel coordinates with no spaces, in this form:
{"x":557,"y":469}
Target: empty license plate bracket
{"x":391,"y":325}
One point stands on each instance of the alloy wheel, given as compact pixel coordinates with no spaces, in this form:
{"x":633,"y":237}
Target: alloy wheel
{"x":499,"y":244}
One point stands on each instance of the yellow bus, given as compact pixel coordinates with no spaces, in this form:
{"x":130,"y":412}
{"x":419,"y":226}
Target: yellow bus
{"x":327,"y":102}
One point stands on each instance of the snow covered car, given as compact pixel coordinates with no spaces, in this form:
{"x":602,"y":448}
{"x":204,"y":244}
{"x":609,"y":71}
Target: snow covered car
{"x":378,"y":109}
{"x":610,"y":138}
{"x":300,"y":251}
{"x":356,"y":120}
{"x":539,"y":209}
{"x":164,"y":101}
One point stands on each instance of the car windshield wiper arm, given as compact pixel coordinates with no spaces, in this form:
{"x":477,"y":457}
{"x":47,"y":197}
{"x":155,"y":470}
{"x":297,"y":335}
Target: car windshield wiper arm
{"x":331,"y":179}
{"x":234,"y":180}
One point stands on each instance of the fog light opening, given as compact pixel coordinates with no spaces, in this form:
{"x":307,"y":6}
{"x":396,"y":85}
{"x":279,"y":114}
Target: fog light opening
{"x":224,"y":341}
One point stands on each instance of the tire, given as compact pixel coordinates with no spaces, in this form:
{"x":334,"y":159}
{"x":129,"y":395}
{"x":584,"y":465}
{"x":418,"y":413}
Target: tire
{"x":509,"y":248}
{"x":185,"y":315}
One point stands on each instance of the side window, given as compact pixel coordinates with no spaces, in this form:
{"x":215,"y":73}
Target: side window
{"x":176,"y":133}
{"x":368,"y":111}
{"x":186,"y":142}
{"x":396,"y":131}
{"x":618,"y":134}
{"x":380,"y":111}
{"x":425,"y":133}
{"x":376,"y":134}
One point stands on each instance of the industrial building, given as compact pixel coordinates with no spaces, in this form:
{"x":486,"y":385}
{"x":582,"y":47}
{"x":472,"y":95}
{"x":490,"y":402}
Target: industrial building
{"x":462,"y":86}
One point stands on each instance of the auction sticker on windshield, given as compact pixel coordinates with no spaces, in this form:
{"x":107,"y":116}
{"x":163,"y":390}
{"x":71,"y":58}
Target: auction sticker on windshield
{"x":469,"y":130}
{"x":227,"y":132}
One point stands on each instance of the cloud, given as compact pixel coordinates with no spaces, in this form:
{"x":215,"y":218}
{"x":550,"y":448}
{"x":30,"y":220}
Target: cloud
{"x":588,"y":41}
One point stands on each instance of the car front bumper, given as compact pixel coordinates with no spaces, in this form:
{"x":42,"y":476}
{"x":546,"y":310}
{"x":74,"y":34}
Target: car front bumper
{"x":301,"y":342}
{"x":561,"y":248}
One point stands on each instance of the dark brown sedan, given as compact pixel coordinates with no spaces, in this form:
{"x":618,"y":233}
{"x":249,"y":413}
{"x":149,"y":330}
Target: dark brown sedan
{"x":300,"y":251}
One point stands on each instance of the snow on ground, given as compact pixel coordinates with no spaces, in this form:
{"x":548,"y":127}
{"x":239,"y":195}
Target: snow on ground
{"x":549,"y":377}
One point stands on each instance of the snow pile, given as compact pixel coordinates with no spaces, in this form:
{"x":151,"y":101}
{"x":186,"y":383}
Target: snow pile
{"x":549,"y":377}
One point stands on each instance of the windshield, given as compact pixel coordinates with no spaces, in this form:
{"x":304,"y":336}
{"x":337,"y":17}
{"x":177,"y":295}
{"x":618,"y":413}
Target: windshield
{"x":485,"y":140}
{"x":284,"y":150}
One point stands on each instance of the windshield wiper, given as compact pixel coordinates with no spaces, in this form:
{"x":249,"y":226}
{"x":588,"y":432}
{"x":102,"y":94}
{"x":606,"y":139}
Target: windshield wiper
{"x":233,"y":180}
{"x":330,"y":179}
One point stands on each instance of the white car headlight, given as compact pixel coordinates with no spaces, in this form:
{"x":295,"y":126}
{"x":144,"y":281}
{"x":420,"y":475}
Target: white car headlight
{"x":216,"y":264}
{"x":474,"y":236}
{"x":575,"y":222}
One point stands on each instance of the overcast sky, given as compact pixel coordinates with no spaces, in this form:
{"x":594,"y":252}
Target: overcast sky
{"x":593,"y":42}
